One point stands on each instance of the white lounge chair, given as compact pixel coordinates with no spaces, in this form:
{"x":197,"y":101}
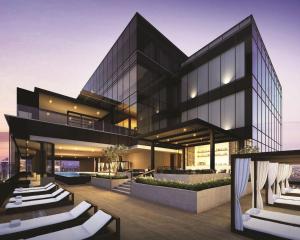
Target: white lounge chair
{"x":274,"y":216}
{"x":36,"y":197}
{"x":35,"y":191}
{"x":19,"y":205}
{"x":28,"y":228}
{"x":258,"y":227}
{"x":88,"y":229}
{"x":33,"y":188}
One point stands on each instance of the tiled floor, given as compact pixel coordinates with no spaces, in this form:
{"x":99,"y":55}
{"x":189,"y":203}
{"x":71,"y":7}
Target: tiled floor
{"x":145,"y":220}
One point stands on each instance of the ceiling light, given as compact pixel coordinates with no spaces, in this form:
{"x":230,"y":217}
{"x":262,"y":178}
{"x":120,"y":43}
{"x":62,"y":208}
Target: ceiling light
{"x":50,"y":101}
{"x":75,"y":107}
{"x":98,"y":113}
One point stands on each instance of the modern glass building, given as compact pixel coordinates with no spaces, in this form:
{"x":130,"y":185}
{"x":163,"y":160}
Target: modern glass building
{"x":171,"y":110}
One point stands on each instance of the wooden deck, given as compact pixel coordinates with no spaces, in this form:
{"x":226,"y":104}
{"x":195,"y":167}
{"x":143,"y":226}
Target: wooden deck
{"x":145,"y":220}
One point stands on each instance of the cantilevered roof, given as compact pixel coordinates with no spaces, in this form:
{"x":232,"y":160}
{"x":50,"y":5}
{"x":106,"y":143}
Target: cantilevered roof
{"x":190,"y":133}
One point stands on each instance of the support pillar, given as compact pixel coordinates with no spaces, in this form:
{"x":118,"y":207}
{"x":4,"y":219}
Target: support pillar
{"x":53,"y":159}
{"x":43,"y":158}
{"x":212,"y":151}
{"x":152,"y":155}
{"x":183,"y":158}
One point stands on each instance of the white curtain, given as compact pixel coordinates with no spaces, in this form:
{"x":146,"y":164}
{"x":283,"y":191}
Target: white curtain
{"x":241,"y":175}
{"x":280,"y":177}
{"x":287,"y":179}
{"x":286,"y":175}
{"x":262,"y":174}
{"x":272,"y":174}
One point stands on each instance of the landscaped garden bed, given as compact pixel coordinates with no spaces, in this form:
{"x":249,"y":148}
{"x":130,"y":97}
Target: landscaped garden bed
{"x":108,"y":182}
{"x":194,"y":198}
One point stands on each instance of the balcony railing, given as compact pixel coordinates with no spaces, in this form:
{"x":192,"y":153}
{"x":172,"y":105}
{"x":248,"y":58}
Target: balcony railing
{"x":72,"y":119}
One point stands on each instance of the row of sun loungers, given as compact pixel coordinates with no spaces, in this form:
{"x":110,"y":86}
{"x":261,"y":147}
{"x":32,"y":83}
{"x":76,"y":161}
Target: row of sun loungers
{"x":77,"y":223}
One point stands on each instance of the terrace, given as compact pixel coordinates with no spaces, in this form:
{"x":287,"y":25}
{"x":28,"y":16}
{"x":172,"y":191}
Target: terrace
{"x":141,"y":219}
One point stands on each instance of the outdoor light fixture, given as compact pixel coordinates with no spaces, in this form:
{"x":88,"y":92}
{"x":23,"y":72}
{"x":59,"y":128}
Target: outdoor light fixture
{"x":75,"y":107}
{"x":168,"y":140}
{"x":47,"y":113}
{"x":157,"y":136}
{"x":157,"y":111}
{"x":50,"y":101}
{"x":184,"y":129}
{"x":98,"y":113}
{"x":193,"y":94}
{"x":60,"y":147}
{"x":70,"y":118}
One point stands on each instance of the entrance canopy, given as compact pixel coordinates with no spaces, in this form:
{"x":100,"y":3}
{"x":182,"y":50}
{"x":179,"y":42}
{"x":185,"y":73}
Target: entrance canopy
{"x":188,"y":134}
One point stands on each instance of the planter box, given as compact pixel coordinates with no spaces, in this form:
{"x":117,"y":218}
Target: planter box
{"x":187,"y":200}
{"x":191,"y":178}
{"x":107,"y":183}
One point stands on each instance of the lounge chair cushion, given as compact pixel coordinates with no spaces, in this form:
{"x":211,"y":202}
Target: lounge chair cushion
{"x":88,"y":229}
{"x":79,"y":209}
{"x":38,"y":202}
{"x":36,"y":190}
{"x":33,"y":188}
{"x":5,"y":228}
{"x":34,"y":197}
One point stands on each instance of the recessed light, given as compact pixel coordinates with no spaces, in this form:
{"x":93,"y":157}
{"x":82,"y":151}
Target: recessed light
{"x":50,"y":101}
{"x":47,"y":113}
{"x":75,"y":107}
{"x":98,"y":113}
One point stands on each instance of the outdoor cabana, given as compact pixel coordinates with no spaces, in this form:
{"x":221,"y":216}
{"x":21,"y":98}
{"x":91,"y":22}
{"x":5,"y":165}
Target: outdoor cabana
{"x":268,"y":172}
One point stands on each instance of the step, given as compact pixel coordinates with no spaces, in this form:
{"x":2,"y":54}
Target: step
{"x":123,"y":188}
{"x":126,"y":184}
{"x":121,"y":191}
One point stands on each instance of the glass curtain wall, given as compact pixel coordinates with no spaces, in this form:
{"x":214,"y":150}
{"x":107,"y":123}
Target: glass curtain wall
{"x":266,"y":100}
{"x":227,"y":112}
{"x":115,"y":77}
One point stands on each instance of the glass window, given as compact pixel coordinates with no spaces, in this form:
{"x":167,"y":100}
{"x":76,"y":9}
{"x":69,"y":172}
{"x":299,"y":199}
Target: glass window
{"x":184,"y":88}
{"x":214,"y":112}
{"x":126,"y":85}
{"x":228,"y":66}
{"x":240,"y":60}
{"x":120,"y":89}
{"x":254,"y":108}
{"x":133,"y":75}
{"x":254,"y":59}
{"x":192,"y":114}
{"x":184,"y":116}
{"x":240,"y":109}
{"x":214,"y":73}
{"x":228,"y":112}
{"x":259,"y":67}
{"x":203,"y":112}
{"x":203,"y":79}
{"x":192,"y":84}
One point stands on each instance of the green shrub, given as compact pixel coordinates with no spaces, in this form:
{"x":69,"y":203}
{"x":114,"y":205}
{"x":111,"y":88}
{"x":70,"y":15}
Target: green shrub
{"x":181,"y":185}
{"x":111,"y":176}
{"x":188,"y":171}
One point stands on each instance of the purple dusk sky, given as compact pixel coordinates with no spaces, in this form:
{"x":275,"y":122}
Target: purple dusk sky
{"x":57,"y":44}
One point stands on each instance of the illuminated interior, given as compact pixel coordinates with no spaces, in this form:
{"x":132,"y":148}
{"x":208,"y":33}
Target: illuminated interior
{"x":60,"y":105}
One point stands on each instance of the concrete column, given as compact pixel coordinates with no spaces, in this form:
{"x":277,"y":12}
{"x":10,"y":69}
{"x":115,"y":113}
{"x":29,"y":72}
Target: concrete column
{"x":152,"y":155}
{"x":183,"y":158}
{"x":212,"y":150}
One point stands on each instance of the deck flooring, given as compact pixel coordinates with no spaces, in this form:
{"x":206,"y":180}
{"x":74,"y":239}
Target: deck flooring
{"x":149,"y":221}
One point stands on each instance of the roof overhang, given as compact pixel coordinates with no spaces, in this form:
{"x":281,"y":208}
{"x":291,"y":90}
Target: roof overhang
{"x":187,"y":134}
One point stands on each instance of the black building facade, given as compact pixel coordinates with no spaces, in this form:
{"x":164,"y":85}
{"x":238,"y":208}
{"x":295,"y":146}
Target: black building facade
{"x":147,"y":92}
